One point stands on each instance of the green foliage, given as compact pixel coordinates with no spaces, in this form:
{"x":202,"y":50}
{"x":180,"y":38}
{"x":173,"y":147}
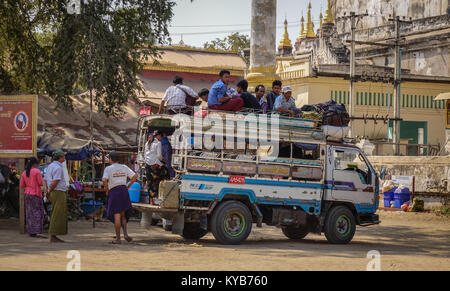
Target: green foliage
{"x":234,"y":42}
{"x":44,"y":49}
{"x":444,"y":210}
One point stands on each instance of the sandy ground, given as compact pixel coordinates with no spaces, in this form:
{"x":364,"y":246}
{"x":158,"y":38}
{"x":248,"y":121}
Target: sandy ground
{"x":406,"y":241}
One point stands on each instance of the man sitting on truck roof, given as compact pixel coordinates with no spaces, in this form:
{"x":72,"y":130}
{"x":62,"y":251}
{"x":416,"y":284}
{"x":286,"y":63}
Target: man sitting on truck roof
{"x":250,"y":101}
{"x":285,"y":103}
{"x":273,"y":95}
{"x":217,"y":99}
{"x":175,"y":97}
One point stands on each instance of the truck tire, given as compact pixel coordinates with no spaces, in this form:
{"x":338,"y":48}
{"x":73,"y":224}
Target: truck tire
{"x":193,"y":231}
{"x":340,"y":225}
{"x":231,"y":222}
{"x":295,"y":232}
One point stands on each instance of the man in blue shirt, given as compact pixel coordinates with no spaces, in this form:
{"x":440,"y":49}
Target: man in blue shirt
{"x":217,"y":98}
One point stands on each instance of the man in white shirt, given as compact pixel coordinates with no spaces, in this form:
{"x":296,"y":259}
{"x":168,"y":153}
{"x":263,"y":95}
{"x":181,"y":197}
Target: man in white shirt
{"x":175,"y":97}
{"x":156,"y":171}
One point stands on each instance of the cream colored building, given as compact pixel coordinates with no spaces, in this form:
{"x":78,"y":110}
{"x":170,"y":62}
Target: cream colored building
{"x":318,"y":71}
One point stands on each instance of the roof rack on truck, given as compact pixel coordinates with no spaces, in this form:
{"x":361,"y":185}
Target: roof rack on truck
{"x":288,"y":128}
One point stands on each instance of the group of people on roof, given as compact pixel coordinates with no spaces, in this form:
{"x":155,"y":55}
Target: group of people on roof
{"x":180,"y":98}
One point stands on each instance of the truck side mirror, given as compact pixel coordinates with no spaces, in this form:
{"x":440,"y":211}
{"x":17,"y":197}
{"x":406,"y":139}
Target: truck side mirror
{"x":383,"y":173}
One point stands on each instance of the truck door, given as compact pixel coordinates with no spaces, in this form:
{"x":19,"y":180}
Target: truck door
{"x":353,"y":178}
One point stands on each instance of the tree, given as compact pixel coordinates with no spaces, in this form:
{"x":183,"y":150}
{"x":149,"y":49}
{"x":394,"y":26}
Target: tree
{"x":234,"y":42}
{"x":103,"y":47}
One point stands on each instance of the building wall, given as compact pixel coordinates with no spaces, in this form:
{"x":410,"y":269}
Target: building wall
{"x":381,"y":9}
{"x":432,"y":173}
{"x":417,"y":103}
{"x":427,"y":52}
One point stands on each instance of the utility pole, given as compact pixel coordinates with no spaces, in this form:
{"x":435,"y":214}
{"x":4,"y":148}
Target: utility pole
{"x":351,"y":102}
{"x":397,"y":80}
{"x":352,"y":73}
{"x":91,"y":138}
{"x":397,"y":83}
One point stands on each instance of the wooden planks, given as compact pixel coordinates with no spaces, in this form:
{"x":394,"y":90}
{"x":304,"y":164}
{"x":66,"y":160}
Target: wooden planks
{"x":152,"y":208}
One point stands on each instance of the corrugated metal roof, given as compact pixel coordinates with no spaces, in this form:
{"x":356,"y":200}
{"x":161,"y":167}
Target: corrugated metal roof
{"x":70,"y":130}
{"x":198,"y":58}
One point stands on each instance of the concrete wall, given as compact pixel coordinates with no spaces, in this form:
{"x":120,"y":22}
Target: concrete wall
{"x":432,"y":173}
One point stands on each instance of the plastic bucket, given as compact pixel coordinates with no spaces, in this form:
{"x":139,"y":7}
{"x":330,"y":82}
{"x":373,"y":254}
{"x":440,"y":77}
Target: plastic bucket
{"x":388,"y":197}
{"x":401,"y":196}
{"x":87,"y":207}
{"x":135,"y":192}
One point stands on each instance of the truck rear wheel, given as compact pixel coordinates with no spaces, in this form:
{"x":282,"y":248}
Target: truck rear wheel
{"x":295,"y":232}
{"x":193,"y":231}
{"x":231,"y":222}
{"x":340,"y":225}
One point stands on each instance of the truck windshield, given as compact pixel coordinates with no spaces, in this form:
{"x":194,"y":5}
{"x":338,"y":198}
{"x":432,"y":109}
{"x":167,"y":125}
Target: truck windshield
{"x":351,"y":160}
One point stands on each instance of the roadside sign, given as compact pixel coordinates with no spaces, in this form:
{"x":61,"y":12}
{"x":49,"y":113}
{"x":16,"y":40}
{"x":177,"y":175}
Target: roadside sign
{"x":18,"y":126}
{"x":403,"y":180}
{"x":145,"y":111}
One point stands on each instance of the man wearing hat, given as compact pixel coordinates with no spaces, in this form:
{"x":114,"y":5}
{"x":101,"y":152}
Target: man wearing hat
{"x":56,"y":193}
{"x":175,"y":97}
{"x":154,"y":163}
{"x":285,"y":103}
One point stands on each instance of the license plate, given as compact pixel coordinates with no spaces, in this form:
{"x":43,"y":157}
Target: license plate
{"x":236,"y":180}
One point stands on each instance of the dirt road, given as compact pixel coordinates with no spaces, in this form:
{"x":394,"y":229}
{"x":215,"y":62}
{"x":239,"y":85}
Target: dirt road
{"x":406,"y":241}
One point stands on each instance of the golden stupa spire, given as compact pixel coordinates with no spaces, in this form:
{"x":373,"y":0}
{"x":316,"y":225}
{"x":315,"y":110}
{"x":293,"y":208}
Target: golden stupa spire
{"x":309,"y":23}
{"x":321,"y":19}
{"x":302,"y":30}
{"x":329,"y":14}
{"x":285,"y":41}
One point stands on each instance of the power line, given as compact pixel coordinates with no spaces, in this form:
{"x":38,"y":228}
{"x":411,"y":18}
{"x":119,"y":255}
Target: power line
{"x":222,"y":31}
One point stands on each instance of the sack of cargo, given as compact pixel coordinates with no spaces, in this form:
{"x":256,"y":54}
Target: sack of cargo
{"x":169,"y":193}
{"x":335,"y":118}
{"x":335,"y":132}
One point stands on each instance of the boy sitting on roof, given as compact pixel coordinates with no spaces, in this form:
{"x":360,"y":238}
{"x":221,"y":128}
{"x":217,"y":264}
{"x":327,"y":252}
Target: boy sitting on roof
{"x":250,"y":101}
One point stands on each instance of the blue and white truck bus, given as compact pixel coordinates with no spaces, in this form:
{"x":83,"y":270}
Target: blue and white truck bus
{"x":315,"y":183}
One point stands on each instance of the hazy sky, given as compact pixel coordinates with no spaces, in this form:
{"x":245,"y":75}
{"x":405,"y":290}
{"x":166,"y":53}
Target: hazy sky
{"x":223,"y":17}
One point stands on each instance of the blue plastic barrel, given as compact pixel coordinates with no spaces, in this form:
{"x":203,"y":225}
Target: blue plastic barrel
{"x":401,"y":196}
{"x":388,"y":197}
{"x":87,"y":206}
{"x":135,"y":192}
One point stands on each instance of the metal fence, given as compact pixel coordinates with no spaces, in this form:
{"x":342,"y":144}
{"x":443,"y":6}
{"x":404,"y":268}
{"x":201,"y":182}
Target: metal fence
{"x":387,"y":149}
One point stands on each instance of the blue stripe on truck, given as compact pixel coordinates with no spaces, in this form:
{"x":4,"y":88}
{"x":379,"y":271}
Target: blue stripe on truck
{"x":257,"y":182}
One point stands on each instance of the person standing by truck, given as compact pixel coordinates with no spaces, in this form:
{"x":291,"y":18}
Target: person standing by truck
{"x":167,"y":155}
{"x":119,"y":204}
{"x":31,"y":180}
{"x":154,"y":163}
{"x":56,"y":193}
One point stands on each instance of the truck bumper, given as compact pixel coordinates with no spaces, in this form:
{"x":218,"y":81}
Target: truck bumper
{"x":369,"y":219}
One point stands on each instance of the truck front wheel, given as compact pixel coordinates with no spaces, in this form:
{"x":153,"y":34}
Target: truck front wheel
{"x":295,"y":232}
{"x":340,"y":225}
{"x":231,"y":222}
